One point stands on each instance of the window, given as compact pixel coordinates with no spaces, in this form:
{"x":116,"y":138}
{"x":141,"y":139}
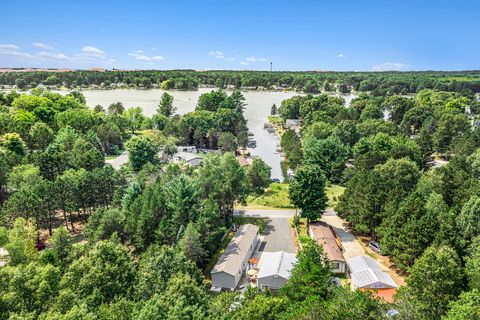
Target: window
{"x":335,"y":265}
{"x":265,"y":287}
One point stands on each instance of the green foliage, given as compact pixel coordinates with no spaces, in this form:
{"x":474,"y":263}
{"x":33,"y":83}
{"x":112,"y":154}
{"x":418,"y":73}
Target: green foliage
{"x":307,"y":192}
{"x":311,"y":275}
{"x":465,"y":308}
{"x":104,"y":273}
{"x":258,"y":173}
{"x":165,"y":107}
{"x":14,"y":143}
{"x":292,"y":146}
{"x":21,"y":242}
{"x":141,"y":150}
{"x":329,"y":154}
{"x":103,"y":223}
{"x":472,"y":264}
{"x":434,"y":281}
{"x":158,"y":265}
{"x":191,"y":245}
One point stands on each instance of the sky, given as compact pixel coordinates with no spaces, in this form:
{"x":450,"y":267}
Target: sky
{"x":349,"y":35}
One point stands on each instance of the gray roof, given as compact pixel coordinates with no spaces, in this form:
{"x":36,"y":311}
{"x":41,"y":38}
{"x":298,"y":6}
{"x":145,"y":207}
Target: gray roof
{"x":188,"y":156}
{"x":372,"y":279}
{"x":360,"y":263}
{"x":365,"y":272}
{"x":276,"y":264}
{"x":236,"y":251}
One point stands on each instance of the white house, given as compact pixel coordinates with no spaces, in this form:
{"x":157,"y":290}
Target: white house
{"x":275,"y":269}
{"x":234,"y":261}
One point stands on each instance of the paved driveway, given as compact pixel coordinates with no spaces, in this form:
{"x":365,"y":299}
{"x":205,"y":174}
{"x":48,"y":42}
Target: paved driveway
{"x":278,"y":235}
{"x":351,"y":245}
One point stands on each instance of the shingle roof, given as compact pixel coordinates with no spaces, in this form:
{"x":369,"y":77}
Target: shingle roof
{"x":276,"y":264}
{"x":237,"y":249}
{"x":365,"y":272}
{"x":325,"y":236}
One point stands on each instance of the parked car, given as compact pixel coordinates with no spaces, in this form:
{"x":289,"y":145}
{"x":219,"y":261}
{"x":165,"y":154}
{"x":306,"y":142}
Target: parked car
{"x":375,"y":246}
{"x":275,"y":180}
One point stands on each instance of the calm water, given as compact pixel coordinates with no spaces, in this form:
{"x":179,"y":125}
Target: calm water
{"x":256,"y":112}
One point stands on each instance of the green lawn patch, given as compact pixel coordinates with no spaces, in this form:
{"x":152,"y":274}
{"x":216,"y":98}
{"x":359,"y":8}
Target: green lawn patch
{"x":261,"y":223}
{"x":334,"y":191}
{"x":274,"y":197}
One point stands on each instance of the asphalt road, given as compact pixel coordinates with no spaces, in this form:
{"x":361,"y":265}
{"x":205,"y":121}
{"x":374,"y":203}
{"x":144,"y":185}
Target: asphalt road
{"x":278,"y":235}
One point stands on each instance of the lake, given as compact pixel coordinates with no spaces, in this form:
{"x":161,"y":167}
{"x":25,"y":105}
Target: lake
{"x":256,"y":112}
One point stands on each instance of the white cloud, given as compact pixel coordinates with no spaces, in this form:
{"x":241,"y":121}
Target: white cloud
{"x":389,"y":66}
{"x":340,"y":56}
{"x":255,"y":59}
{"x":15,"y":53}
{"x":42,"y":45}
{"x":139,"y":55}
{"x":53,"y":55}
{"x":220,"y":55}
{"x":9,"y":47}
{"x":244,"y":63}
{"x":93,"y":52}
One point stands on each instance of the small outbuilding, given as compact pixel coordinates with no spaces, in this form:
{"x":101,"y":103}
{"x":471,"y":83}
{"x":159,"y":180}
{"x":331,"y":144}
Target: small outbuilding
{"x":234,"y":261}
{"x":275,"y":269}
{"x":193,"y":159}
{"x":325,"y":236}
{"x":367,"y":275}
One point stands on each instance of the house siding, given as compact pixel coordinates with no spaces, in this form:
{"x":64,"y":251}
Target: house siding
{"x":273,"y":282}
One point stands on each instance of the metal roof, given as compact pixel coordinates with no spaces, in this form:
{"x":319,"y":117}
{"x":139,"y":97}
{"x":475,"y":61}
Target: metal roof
{"x":365,"y":272}
{"x":276,"y":264}
{"x":372,"y":279}
{"x":360,"y":263}
{"x":238,"y":248}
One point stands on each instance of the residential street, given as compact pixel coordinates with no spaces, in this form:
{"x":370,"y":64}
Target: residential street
{"x":284,"y":213}
{"x":278,"y":235}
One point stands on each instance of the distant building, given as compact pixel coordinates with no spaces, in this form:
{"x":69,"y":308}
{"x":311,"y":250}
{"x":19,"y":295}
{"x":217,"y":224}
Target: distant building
{"x":293,"y":123}
{"x":193,"y":159}
{"x":325,"y":236}
{"x":187,"y":149}
{"x":275,"y":269}
{"x":367,"y":275}
{"x":244,"y":162}
{"x":234,"y":261}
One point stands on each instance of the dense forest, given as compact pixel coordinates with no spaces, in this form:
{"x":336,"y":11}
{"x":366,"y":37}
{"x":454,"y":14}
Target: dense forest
{"x":411,"y":171}
{"x":379,"y":83}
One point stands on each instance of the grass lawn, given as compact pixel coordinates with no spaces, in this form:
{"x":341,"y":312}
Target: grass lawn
{"x":274,"y":197}
{"x":110,"y":157}
{"x":333,"y":192}
{"x":261,"y":223}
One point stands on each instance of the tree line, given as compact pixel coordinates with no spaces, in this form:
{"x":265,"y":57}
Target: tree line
{"x":379,"y":83}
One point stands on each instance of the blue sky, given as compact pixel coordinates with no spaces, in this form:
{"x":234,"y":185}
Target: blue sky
{"x":294,"y":35}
